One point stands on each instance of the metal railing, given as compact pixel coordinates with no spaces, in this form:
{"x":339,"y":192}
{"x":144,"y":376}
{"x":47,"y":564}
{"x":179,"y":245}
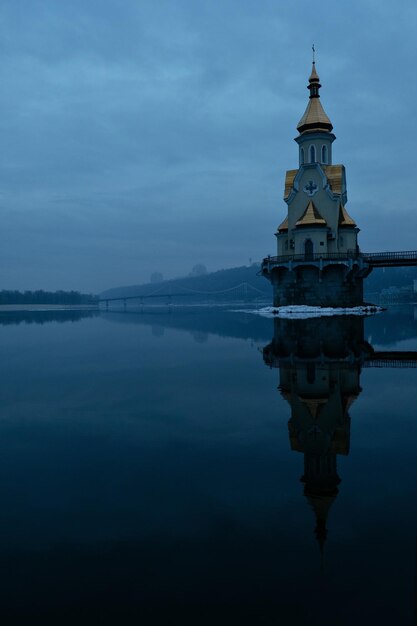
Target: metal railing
{"x":405,"y":360}
{"x":381,"y":259}
{"x":325,"y":256}
{"x":390,"y":255}
{"x":390,"y":259}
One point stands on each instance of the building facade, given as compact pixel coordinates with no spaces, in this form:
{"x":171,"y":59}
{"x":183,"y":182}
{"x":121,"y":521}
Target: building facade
{"x":318,"y":261}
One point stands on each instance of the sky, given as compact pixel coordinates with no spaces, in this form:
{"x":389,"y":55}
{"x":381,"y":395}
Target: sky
{"x":152,"y":135}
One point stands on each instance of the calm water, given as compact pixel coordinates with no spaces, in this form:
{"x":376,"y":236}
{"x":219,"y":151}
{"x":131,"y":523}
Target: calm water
{"x":208,"y":467}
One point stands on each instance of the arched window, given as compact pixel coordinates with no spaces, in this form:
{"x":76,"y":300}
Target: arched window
{"x":312,"y":154}
{"x":301,"y":156}
{"x":324,"y":154}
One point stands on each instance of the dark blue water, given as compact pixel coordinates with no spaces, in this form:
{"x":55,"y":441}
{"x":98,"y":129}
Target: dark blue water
{"x":207,"y":467}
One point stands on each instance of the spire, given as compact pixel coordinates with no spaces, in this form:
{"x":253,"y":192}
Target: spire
{"x":314,"y":118}
{"x":314,"y":78}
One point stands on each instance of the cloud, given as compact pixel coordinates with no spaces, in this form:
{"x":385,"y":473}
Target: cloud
{"x":155,"y":135}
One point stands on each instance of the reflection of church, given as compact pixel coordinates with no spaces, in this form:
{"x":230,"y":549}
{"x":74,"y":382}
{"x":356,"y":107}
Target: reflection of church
{"x":319,"y":362}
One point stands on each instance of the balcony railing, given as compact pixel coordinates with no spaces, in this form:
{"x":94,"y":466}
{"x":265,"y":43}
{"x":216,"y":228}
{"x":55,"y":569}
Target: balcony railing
{"x":381,"y":259}
{"x":325,"y":256}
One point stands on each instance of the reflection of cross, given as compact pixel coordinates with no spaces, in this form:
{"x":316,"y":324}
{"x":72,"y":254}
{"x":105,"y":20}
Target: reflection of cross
{"x":311,"y":188}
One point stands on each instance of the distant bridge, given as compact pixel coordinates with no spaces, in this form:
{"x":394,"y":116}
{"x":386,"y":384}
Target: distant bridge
{"x":243,"y":290}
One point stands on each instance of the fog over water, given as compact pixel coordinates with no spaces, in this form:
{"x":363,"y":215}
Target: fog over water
{"x":150,"y":136}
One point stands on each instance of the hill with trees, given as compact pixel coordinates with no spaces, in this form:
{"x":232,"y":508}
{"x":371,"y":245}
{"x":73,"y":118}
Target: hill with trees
{"x":210,"y":284}
{"x":377,"y":282}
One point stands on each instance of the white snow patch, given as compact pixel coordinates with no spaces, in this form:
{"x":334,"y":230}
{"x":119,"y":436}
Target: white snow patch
{"x":304,"y":312}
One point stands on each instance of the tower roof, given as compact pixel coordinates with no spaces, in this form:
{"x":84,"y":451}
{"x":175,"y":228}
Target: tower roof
{"x":311,"y":217}
{"x":335,"y":175}
{"x":315,"y":117}
{"x":344,"y":217}
{"x":284,"y":225}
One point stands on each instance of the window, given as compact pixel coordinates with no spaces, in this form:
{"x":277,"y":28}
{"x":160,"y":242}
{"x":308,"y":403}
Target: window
{"x":308,"y":249}
{"x":312,"y":154}
{"x":324,"y":154}
{"x":301,"y":156}
{"x":286,"y":244}
{"x":322,"y":243}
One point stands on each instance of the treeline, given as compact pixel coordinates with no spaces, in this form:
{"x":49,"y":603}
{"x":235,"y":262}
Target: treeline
{"x":45,"y":297}
{"x":387,"y":277}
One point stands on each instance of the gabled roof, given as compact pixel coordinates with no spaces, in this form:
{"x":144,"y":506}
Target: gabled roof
{"x":334,"y":174}
{"x":311,"y":217}
{"x":344,"y":217}
{"x":283,"y":226}
{"x":289,"y":181}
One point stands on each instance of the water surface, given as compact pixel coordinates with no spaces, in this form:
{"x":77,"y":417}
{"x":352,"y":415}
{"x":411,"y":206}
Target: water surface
{"x":207,"y":467}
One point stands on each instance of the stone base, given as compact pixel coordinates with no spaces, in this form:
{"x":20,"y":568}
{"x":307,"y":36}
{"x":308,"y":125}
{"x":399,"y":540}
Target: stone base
{"x":332,"y":286}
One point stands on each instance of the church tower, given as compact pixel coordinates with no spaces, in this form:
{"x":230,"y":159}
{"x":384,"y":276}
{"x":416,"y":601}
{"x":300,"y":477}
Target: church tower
{"x":318,"y":261}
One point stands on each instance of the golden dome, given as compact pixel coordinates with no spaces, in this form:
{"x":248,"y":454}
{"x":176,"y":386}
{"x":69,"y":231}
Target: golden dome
{"x":314,"y":118}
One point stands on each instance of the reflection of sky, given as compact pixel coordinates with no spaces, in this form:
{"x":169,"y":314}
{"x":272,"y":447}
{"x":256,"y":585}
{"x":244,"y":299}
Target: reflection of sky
{"x":168,"y":459}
